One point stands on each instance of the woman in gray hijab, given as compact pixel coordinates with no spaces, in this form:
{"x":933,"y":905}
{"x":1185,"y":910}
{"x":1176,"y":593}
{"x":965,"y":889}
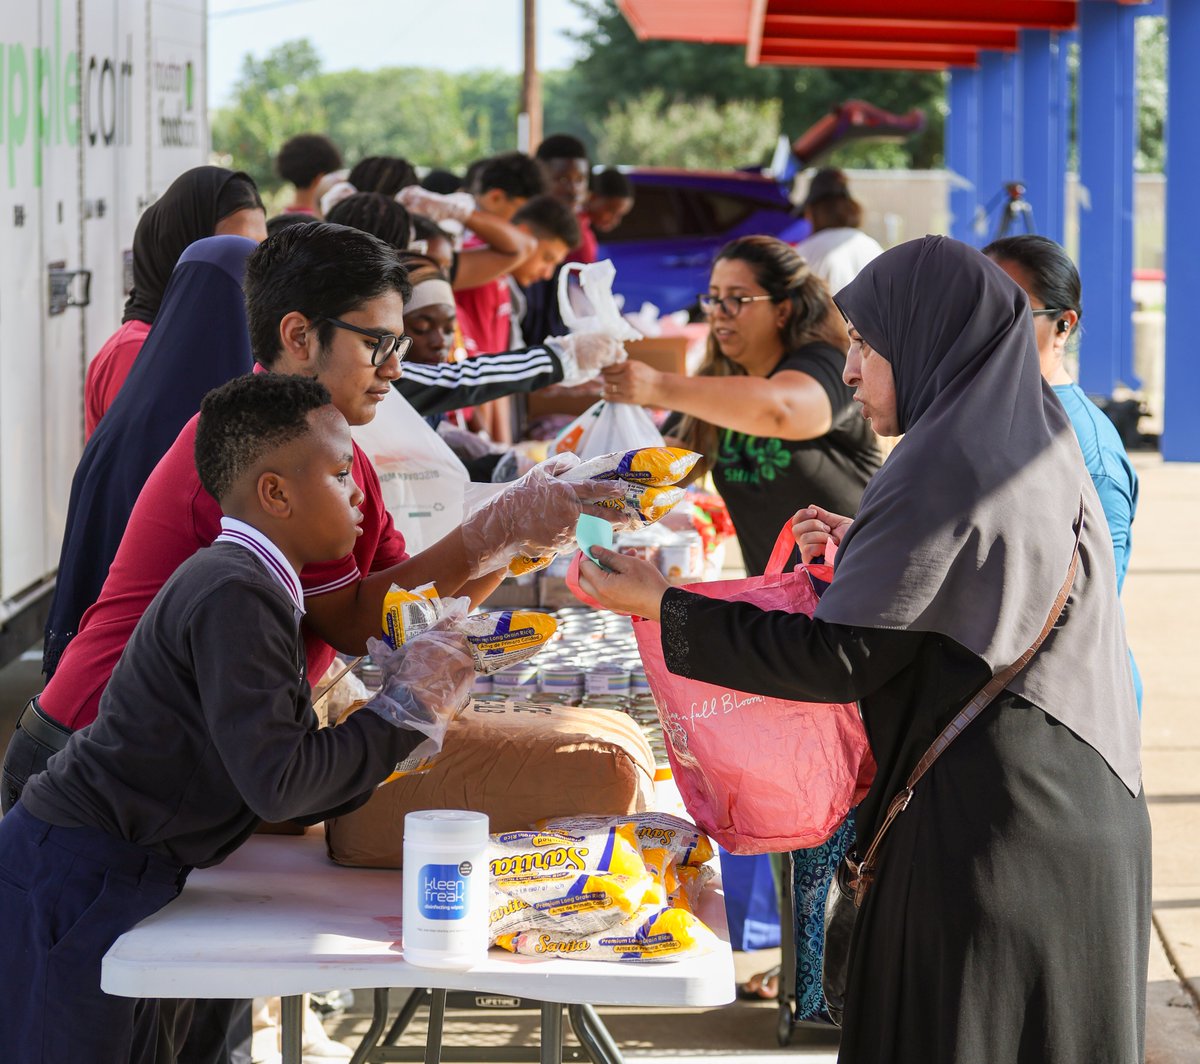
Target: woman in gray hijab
{"x":1010,"y":912}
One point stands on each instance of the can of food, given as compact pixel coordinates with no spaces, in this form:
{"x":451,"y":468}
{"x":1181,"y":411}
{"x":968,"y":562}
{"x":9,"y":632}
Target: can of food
{"x":517,"y":681}
{"x":638,"y":684}
{"x":561,"y":679}
{"x":613,"y":702}
{"x":482,"y":685}
{"x":675,"y":560}
{"x":607,"y":678}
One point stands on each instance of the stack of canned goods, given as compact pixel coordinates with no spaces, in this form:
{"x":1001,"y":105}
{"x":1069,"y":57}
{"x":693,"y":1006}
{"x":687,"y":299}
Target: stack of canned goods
{"x":592,"y":662}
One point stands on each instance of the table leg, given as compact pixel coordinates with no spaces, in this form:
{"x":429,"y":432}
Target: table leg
{"x":291,"y":1027}
{"x":379,"y":1015}
{"x":437,"y":1017}
{"x":407,"y":1011}
{"x":593,"y":1035}
{"x":552,"y":1032}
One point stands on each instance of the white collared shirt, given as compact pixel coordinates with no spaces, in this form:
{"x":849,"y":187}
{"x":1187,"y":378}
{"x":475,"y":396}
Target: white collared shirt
{"x":244,"y":535}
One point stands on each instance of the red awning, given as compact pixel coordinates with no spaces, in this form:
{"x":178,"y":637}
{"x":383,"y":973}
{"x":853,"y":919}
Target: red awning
{"x":913,"y":34}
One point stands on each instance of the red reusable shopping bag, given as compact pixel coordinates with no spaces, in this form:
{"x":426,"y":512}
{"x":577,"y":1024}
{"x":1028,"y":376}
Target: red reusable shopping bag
{"x":759,"y":774}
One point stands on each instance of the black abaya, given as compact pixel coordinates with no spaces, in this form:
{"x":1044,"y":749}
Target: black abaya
{"x":1009,"y":919}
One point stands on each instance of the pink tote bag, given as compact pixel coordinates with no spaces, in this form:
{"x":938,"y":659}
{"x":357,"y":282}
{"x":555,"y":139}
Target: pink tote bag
{"x":759,"y":774}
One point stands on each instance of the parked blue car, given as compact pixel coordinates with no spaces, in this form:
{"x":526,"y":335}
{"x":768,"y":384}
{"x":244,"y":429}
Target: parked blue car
{"x":664,"y":248}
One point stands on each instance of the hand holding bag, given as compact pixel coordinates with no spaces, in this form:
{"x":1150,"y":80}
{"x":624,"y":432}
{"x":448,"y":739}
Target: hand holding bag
{"x":854,"y":878}
{"x":759,"y":774}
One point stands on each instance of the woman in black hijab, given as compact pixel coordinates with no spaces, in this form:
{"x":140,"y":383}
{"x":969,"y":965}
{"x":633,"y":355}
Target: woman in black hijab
{"x":204,"y":201}
{"x":200,"y":340}
{"x":1010,"y":913}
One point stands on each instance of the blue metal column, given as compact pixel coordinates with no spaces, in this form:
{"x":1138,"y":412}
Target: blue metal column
{"x":1106,"y":141}
{"x":1181,"y":429}
{"x":1044,"y":128}
{"x":962,"y":152}
{"x":999,"y":149}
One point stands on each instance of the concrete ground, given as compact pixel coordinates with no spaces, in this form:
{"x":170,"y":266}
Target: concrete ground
{"x":1161,"y":595}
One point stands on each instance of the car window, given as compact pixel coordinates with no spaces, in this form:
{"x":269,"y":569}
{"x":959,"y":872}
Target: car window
{"x":656,"y":215}
{"x":717,"y":212}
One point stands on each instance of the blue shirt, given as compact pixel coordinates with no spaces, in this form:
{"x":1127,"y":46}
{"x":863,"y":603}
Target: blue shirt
{"x":1114,"y":477}
{"x":1109,"y":466}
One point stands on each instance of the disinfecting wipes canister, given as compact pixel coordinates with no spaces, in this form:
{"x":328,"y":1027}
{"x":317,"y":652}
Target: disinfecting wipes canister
{"x":445,"y":888}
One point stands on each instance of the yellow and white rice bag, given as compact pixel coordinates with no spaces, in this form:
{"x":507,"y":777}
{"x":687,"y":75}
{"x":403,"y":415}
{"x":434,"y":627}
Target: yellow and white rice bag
{"x":645,"y":503}
{"x":566,"y":903}
{"x":497,"y":639}
{"x":681,"y":841}
{"x":656,"y":467}
{"x":612,"y":848}
{"x":652,"y":935}
{"x":407,"y":613}
{"x":506,"y":637}
{"x":567,"y":882}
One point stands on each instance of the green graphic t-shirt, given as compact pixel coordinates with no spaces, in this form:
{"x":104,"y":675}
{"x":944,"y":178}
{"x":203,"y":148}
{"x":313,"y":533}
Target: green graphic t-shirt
{"x":764,"y":481}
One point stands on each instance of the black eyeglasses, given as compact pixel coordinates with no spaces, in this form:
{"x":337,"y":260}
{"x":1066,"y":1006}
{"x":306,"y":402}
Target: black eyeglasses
{"x":1046,"y":311}
{"x":730,"y":305}
{"x":386,"y":344}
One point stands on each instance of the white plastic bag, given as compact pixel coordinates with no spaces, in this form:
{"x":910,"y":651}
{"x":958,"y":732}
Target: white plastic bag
{"x":422,"y":480}
{"x":606,"y":427}
{"x":596,"y":279}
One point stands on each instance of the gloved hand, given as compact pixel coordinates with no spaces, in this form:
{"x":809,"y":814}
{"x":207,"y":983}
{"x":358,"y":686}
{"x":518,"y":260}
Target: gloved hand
{"x":535,"y":516}
{"x":583,"y":355}
{"x":426,"y":680}
{"x":454,"y":206}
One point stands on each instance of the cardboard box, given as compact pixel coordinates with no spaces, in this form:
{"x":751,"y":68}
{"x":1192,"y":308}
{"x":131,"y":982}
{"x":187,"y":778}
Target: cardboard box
{"x":667,"y":354}
{"x":515,"y":761}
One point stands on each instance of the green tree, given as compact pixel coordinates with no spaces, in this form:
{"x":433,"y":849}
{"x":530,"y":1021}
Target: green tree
{"x":699,"y":134}
{"x":273,"y":99}
{"x":1151,"y":93}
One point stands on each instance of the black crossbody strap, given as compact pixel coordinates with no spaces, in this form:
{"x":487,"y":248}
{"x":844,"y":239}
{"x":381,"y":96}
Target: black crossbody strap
{"x":863,"y":871}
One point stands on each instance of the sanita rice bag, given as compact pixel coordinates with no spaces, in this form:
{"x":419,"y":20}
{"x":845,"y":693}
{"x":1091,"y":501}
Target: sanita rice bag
{"x":759,"y":774}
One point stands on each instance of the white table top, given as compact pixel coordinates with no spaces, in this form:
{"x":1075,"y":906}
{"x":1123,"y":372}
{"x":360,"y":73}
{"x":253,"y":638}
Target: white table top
{"x":278,"y":918}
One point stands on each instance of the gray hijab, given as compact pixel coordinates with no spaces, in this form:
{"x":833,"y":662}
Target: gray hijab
{"x":968,"y":529}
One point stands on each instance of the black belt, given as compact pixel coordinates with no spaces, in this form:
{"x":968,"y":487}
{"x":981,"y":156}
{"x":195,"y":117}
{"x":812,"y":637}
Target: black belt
{"x":42,"y":728}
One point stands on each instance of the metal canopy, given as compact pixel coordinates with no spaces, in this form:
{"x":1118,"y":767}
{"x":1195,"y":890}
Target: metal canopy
{"x":922,"y":35}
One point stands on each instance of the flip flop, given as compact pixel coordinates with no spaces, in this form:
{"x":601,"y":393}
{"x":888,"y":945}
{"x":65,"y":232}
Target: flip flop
{"x":759,"y":986}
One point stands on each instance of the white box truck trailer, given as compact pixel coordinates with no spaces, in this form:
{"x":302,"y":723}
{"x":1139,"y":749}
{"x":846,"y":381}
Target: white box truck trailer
{"x":102,"y":105}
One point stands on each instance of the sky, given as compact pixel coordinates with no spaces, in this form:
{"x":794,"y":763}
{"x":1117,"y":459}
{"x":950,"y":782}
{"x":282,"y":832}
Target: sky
{"x":450,"y":35}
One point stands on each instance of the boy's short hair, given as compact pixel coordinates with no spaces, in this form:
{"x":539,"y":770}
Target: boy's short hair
{"x":547,"y":217}
{"x":514,"y":173}
{"x":320,"y":269}
{"x":612,"y":184}
{"x":561,"y":146}
{"x":378,"y":215}
{"x":247,"y":418}
{"x":442,"y":181}
{"x":282,"y":221}
{"x":385,"y":174}
{"x":305,"y":157}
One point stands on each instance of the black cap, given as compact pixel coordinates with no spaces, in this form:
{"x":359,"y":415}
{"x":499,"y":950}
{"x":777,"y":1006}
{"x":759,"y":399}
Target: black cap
{"x":829,"y":183}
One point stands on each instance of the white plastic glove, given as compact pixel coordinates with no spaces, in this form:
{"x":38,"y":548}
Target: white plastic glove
{"x":451,"y":207}
{"x":426,"y":680}
{"x":584,"y":355}
{"x":535,"y":516}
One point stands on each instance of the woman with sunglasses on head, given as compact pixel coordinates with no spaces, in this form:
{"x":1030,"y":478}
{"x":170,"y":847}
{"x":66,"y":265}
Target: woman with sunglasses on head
{"x":768,"y":409}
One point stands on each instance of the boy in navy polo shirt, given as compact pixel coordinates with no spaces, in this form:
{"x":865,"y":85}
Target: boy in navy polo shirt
{"x":205,"y":729}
